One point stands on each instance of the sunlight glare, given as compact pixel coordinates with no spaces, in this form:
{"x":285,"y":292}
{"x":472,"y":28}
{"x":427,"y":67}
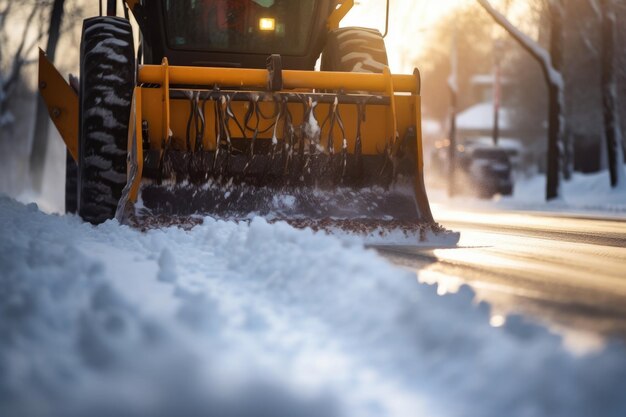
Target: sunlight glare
{"x":446,"y":284}
{"x":497,"y":320}
{"x":409,"y":22}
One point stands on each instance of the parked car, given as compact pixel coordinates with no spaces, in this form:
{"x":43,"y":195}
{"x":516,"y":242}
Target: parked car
{"x":487,"y":170}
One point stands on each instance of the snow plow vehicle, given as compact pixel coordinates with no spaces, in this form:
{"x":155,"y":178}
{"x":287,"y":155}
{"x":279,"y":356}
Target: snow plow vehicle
{"x":219,"y":111}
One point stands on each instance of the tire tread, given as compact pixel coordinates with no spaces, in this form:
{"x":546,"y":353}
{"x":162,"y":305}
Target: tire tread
{"x":106,"y":87}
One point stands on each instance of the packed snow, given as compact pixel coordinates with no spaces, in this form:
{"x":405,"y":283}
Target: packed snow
{"x":262,"y":319}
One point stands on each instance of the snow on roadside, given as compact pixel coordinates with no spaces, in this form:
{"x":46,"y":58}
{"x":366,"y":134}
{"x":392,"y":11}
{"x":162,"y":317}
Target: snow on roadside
{"x":261,"y":319}
{"x":583,"y":194}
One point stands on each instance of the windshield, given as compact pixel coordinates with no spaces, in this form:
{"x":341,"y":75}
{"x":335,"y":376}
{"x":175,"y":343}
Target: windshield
{"x":244,"y":26}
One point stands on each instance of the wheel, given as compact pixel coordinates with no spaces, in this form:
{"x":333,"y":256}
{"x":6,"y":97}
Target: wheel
{"x":71,"y":174}
{"x":107,"y":80}
{"x":354,"y":49}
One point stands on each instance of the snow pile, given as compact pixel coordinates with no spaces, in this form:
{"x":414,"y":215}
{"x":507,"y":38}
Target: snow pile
{"x":261,"y":319}
{"x":427,"y":236}
{"x":584,"y":192}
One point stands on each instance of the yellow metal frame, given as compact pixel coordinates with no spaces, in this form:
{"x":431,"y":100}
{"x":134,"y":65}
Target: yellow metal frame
{"x":391,"y":111}
{"x":339,"y":13}
{"x":384,"y":126}
{"x":292,"y":79}
{"x":61,"y":101}
{"x":167,"y":117}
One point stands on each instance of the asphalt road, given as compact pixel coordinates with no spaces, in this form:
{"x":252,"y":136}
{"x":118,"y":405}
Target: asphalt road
{"x":568,"y":272}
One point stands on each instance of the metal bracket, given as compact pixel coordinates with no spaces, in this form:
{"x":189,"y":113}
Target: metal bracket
{"x":274,"y":66}
{"x":386,"y":20}
{"x":343,"y":7}
{"x":111,"y":7}
{"x":392,"y":114}
{"x":61,"y":101}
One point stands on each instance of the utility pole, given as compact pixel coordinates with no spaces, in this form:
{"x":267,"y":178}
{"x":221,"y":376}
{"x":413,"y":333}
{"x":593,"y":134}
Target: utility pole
{"x":497,"y":89}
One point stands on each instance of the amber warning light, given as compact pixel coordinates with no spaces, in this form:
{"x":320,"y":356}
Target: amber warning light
{"x":267,"y":23}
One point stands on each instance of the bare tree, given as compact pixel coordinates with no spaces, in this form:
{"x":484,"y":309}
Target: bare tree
{"x":13,"y":61}
{"x":40,"y":135}
{"x":612,"y":127}
{"x":582,"y":74}
{"x":551,"y":64}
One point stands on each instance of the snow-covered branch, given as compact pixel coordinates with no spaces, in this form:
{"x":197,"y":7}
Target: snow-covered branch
{"x":551,"y":63}
{"x":554,"y":77}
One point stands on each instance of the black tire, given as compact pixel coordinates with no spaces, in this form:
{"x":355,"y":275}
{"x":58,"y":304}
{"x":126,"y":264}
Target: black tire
{"x":107,"y":80}
{"x":71,"y":186}
{"x":354,"y":49}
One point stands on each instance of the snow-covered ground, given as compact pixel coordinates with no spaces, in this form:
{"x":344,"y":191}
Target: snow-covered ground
{"x":261,"y":319}
{"x":589,"y":194}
